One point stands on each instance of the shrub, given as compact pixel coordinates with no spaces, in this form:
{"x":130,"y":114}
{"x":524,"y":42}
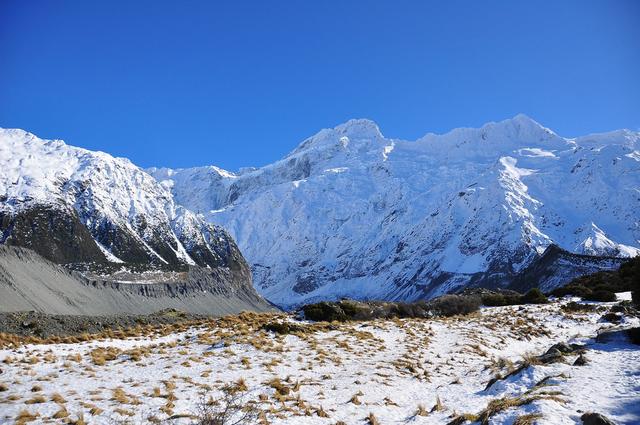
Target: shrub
{"x":495,"y":300}
{"x":601,"y":295}
{"x":575,"y":307}
{"x":571,"y":289}
{"x":451,"y":305}
{"x":282,"y":328}
{"x":324,"y":312}
{"x":534,"y":296}
{"x":598,"y":286}
{"x":447,"y":305}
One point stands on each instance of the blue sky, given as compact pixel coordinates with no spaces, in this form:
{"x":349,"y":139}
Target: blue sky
{"x":241,"y":83}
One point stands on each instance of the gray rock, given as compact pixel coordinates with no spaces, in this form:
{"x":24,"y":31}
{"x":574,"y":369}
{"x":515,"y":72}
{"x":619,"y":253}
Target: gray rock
{"x":580,"y":361}
{"x":595,"y":419}
{"x":562,"y":347}
{"x":551,"y":356}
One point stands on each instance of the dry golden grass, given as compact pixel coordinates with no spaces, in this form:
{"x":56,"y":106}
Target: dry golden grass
{"x":438,"y":407}
{"x":120,"y":396}
{"x":280,"y":388}
{"x":355,"y":400}
{"x":123,"y":412}
{"x":36,"y":400}
{"x":25,"y":416}
{"x":529,"y":419}
{"x":61,"y":413}
{"x":372,"y":420}
{"x":101,"y":355}
{"x":421,"y":410}
{"x":57,"y":398}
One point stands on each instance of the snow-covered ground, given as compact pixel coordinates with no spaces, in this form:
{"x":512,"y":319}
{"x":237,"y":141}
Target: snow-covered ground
{"x":393,"y":369}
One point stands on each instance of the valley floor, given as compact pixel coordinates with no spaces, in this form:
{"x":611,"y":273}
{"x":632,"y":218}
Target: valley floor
{"x":399,"y":371}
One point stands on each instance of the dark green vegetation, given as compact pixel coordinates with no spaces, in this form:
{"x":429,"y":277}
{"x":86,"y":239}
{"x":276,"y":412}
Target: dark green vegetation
{"x":602,"y":286}
{"x":533,"y":296}
{"x":346,"y":310}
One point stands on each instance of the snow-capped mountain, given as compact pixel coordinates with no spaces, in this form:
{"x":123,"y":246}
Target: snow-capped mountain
{"x":73,"y":205}
{"x":352,"y":213}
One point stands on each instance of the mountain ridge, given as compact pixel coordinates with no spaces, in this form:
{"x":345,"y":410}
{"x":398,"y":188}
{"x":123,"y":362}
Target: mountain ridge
{"x":113,"y":223}
{"x":348,"y":212}
{"x":351,"y":213}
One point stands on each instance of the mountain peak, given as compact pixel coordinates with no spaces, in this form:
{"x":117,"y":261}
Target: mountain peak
{"x":359,"y":128}
{"x":521,"y":123}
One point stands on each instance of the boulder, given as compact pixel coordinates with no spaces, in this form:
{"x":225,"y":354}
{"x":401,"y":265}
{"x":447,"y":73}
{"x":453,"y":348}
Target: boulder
{"x":591,"y":418}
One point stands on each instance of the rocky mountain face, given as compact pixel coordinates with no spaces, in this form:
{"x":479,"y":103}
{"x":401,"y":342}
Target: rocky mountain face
{"x":105,"y":216}
{"x":351,"y":213}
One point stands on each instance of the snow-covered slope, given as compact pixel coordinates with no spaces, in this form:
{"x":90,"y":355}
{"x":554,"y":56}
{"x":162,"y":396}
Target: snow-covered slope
{"x":74,"y":205}
{"x":352,"y":213}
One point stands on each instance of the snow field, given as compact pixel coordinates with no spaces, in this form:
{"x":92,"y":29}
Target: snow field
{"x":396,"y":370}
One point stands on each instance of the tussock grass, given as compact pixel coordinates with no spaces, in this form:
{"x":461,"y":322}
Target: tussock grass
{"x":372,"y":420}
{"x":438,"y":407}
{"x":36,"y":400}
{"x":61,"y":413}
{"x":280,"y":388}
{"x":57,"y":398}
{"x":25,"y":416}
{"x":528,"y":419}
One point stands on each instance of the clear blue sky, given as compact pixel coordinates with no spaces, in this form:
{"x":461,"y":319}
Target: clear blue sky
{"x":241,"y":83}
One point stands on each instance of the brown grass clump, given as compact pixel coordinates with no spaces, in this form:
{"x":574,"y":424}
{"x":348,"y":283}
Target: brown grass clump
{"x":529,"y":419}
{"x":355,"y":400}
{"x":75,"y":357}
{"x":95,"y":410}
{"x":321,"y":413}
{"x":78,"y":421}
{"x":123,"y":412}
{"x":61,"y":413}
{"x":240,"y":385}
{"x":280,"y":388}
{"x":36,"y":388}
{"x":101,"y":355}
{"x":57,"y":398}
{"x":36,"y":400}
{"x":372,"y":420}
{"x":120,"y":396}
{"x":498,"y":405}
{"x":438,"y":407}
{"x":421,"y":410}
{"x":4,"y":387}
{"x":25,"y":416}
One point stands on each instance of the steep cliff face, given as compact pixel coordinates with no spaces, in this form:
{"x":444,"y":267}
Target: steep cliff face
{"x":353,"y":213}
{"x":70,"y":205}
{"x":104,"y":216}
